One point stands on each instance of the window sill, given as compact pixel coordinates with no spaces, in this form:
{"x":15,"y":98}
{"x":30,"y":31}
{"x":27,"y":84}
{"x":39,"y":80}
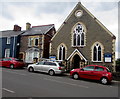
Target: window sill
{"x":97,"y":61}
{"x":33,"y":46}
{"x":79,"y":46}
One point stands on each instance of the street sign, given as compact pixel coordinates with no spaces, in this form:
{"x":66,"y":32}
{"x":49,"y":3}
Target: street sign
{"x":52,"y":58}
{"x":108,"y":57}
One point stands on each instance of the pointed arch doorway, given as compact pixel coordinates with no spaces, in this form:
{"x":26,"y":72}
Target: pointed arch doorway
{"x":76,"y":61}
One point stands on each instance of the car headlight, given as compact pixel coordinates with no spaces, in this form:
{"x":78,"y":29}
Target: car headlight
{"x":106,"y":74}
{"x":72,"y":70}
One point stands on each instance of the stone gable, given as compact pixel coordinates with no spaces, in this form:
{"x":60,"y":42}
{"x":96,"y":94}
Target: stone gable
{"x":94,"y":32}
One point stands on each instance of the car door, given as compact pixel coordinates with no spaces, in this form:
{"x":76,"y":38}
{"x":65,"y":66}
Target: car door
{"x":87,"y":72}
{"x":5,"y":62}
{"x":2,"y":62}
{"x":38,"y":66}
{"x":98,"y":72}
{"x":46,"y":66}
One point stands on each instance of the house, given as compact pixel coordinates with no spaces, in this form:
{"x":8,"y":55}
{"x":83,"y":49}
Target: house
{"x":82,"y":39}
{"x":10,"y":41}
{"x":35,"y":42}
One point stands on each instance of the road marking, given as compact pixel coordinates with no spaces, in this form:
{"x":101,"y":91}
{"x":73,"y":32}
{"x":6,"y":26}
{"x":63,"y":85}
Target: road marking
{"x":66,"y":83}
{"x":15,"y":73}
{"x":115,"y":81}
{"x":8,"y":90}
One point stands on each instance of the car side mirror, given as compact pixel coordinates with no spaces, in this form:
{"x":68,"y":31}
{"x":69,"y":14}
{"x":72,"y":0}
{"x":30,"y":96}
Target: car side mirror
{"x":82,"y":69}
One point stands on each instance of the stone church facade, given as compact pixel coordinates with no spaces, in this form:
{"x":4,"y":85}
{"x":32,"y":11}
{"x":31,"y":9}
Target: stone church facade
{"x":82,"y":39}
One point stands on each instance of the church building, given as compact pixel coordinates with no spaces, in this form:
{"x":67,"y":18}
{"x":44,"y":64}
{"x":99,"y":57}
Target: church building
{"x":83,"y":40}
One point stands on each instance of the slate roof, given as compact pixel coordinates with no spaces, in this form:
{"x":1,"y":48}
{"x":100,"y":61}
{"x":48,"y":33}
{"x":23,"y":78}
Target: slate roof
{"x":37,"y":30}
{"x":9,"y":33}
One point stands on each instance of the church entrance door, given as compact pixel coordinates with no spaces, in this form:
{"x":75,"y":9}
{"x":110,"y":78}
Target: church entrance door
{"x":76,"y":61}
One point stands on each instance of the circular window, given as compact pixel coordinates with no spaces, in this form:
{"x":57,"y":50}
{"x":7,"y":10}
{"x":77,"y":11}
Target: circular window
{"x":78,"y":13}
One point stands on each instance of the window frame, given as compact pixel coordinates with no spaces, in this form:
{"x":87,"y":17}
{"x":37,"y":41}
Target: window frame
{"x":6,"y":52}
{"x":30,"y":55}
{"x":97,"y":52}
{"x":36,"y":38}
{"x":63,"y":50}
{"x":78,"y":11}
{"x":8,"y":40}
{"x":78,"y":34}
{"x":30,"y":41}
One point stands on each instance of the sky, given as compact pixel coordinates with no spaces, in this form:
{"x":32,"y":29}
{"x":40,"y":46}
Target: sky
{"x":42,"y":12}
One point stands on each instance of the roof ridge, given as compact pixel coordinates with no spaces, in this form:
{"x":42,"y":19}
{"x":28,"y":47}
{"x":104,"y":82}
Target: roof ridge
{"x":42,"y":25}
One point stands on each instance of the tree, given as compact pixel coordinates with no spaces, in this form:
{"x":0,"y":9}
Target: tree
{"x":118,"y":64}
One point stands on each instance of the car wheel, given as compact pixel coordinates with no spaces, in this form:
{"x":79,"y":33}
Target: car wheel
{"x":51,"y":72}
{"x":12,"y":66}
{"x":104,"y":80}
{"x":75,"y":76}
{"x":31,"y":69}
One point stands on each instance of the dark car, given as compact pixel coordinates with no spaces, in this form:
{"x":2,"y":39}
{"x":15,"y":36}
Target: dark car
{"x":12,"y":63}
{"x":93,"y":72}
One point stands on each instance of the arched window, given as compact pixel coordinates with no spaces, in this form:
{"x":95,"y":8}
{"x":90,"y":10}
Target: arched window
{"x":78,"y":35}
{"x":97,"y":52}
{"x":61,"y":52}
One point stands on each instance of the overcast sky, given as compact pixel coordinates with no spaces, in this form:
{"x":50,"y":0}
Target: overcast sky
{"x":42,"y":12}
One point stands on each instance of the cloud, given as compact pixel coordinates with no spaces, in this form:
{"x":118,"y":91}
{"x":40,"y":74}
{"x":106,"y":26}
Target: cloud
{"x":55,"y":12}
{"x":35,"y":13}
{"x":108,"y":17}
{"x":59,"y":0}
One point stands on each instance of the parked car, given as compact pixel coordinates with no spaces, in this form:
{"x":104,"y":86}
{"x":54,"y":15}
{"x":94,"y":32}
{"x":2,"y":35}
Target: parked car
{"x":93,"y":72}
{"x":51,"y":68}
{"x":12,"y":63}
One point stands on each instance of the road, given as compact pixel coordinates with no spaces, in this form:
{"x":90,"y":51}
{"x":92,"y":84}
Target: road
{"x":21,"y":83}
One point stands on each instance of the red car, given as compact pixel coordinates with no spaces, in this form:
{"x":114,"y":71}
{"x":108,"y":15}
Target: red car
{"x":12,"y":63}
{"x":93,"y":72}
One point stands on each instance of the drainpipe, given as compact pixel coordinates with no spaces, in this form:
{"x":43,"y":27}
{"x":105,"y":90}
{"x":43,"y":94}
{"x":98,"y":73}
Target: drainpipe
{"x":13,"y":46}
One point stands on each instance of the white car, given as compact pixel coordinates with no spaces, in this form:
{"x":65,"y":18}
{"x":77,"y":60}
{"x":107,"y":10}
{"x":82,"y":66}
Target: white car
{"x":51,"y":68}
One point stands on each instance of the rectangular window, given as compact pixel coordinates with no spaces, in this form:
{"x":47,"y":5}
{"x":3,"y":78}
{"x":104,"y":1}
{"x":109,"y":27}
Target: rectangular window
{"x":36,"y":40}
{"x":7,"y":52}
{"x":30,"y":42}
{"x":8,"y":40}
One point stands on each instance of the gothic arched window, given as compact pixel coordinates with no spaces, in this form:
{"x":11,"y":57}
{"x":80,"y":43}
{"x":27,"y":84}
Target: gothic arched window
{"x":97,"y":52}
{"x":61,"y":52}
{"x":78,"y":35}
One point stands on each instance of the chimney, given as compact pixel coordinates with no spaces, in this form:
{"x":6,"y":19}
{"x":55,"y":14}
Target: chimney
{"x":17,"y":28}
{"x":28,"y":26}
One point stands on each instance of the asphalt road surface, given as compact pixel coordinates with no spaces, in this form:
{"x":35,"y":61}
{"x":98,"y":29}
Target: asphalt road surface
{"x":21,"y":83}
